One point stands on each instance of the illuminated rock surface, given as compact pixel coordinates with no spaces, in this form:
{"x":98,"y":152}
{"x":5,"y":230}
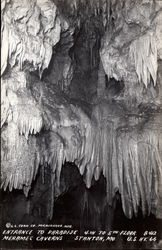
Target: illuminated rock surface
{"x":81,"y":83}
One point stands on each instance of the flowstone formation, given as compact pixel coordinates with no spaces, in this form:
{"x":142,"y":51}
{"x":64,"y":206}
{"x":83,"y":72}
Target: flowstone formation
{"x":111,"y":52}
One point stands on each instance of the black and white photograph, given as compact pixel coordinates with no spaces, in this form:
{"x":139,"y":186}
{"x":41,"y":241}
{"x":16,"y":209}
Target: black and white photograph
{"x":81,"y":125}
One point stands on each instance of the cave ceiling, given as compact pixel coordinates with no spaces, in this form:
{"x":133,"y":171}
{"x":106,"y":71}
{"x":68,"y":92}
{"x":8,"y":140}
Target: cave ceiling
{"x":81,"y":82}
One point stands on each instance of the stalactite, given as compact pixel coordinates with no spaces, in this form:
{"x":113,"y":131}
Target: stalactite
{"x":18,"y":167}
{"x":60,"y":162}
{"x":128,"y":156}
{"x":4,"y":50}
{"x":129,"y":160}
{"x":138,"y":163}
{"x":25,"y":113}
{"x":144,"y":52}
{"x":20,"y":46}
{"x":43,"y":172}
{"x":91,"y":55}
{"x":101,"y":80}
{"x":5,"y":105}
{"x":53,"y":179}
{"x":36,"y":164}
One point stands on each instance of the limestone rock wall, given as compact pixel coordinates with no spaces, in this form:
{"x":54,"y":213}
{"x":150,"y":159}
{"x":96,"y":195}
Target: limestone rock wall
{"x":119,"y":138}
{"x":131,"y":48}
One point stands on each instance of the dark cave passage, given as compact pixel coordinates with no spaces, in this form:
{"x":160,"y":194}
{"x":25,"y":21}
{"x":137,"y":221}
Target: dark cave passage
{"x":83,"y":209}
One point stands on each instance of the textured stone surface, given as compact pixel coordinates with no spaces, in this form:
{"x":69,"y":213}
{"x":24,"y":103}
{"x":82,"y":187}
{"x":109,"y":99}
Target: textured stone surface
{"x":131,"y":46}
{"x":29,"y":31}
{"x":112,"y":127}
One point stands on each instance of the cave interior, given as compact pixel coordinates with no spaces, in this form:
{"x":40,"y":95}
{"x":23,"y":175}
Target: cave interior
{"x":81,"y":113}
